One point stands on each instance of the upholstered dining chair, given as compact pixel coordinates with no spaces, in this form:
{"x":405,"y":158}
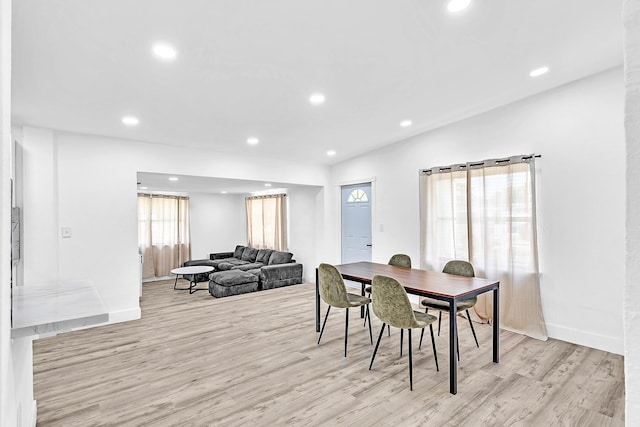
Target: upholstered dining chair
{"x":459,"y":268}
{"x":392,"y":306}
{"x":334,"y":292}
{"x":399,"y":260}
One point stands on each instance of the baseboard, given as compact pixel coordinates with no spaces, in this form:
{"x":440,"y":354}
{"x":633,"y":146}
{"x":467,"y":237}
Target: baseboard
{"x":587,"y":339}
{"x":124,"y":315}
{"x":33,"y":415}
{"x":117,"y":317}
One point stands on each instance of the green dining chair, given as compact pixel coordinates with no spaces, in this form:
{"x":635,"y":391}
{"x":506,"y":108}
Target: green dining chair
{"x":459,"y":268}
{"x":399,"y":260}
{"x":334,"y":292}
{"x":392,"y":306}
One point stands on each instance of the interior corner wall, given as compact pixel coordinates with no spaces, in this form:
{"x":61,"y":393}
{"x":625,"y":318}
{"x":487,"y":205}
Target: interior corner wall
{"x":218,"y":223}
{"x":632,"y":287}
{"x":95,"y":195}
{"x":578,"y":130}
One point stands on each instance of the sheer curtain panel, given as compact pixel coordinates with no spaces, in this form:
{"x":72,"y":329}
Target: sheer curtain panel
{"x":484,"y":213}
{"x":163,"y":233}
{"x":267,"y":222}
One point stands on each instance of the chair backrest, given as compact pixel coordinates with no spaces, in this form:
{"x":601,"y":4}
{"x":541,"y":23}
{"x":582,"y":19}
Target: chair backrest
{"x":400,"y":260}
{"x":391,"y":303}
{"x":459,"y":268}
{"x":331,"y":286}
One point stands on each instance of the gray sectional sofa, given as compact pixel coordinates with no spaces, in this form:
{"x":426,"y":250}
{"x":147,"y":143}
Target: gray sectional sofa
{"x":248,"y":269}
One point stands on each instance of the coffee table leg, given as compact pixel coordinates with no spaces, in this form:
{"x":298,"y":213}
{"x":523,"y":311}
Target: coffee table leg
{"x":175,"y":283}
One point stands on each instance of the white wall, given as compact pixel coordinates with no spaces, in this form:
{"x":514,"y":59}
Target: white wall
{"x":94,"y":183}
{"x":305,"y":230}
{"x":17,"y":407}
{"x":578,"y":129}
{"x":218,"y":223}
{"x":632,"y":287}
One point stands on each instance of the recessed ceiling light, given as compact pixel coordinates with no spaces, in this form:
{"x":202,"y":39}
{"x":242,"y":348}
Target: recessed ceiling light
{"x":223,"y":192}
{"x":331,"y":153}
{"x":316,"y":98}
{"x":173,"y":178}
{"x":164,"y":51}
{"x":458,"y":5}
{"x":252,"y":141}
{"x":406,"y":123}
{"x":539,"y":71}
{"x":143,"y":188}
{"x":267,"y":185}
{"x":130,"y":120}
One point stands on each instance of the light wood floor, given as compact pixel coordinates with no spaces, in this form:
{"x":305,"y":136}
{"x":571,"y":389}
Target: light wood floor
{"x":194,"y":360}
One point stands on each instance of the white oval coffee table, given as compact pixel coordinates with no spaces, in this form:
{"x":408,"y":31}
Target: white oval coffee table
{"x":193,"y":270}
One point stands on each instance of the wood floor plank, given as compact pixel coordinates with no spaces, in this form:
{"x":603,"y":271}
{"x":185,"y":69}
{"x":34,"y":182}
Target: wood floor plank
{"x":194,"y":360}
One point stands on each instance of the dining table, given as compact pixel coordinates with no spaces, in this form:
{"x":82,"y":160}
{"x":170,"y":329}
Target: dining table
{"x":433,"y":284}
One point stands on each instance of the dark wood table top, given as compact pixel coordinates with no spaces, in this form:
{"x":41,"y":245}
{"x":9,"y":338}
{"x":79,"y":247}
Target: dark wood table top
{"x":420,"y":282}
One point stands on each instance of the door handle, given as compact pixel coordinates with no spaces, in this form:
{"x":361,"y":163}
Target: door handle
{"x":369,"y":245}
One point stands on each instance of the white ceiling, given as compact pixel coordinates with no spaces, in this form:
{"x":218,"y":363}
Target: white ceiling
{"x":247,"y":67}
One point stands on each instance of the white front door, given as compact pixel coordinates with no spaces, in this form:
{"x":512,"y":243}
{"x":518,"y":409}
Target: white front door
{"x":356,"y":223}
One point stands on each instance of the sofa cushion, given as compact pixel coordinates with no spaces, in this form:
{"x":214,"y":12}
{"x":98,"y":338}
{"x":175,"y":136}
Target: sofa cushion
{"x":263,"y":255}
{"x":248,"y":266}
{"x":216,"y":262}
{"x":279,"y":257}
{"x":249,"y":254}
{"x":229,"y":264}
{"x":238,"y":252}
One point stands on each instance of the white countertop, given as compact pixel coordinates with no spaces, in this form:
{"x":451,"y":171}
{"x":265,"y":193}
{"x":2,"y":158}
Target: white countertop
{"x":48,"y":309}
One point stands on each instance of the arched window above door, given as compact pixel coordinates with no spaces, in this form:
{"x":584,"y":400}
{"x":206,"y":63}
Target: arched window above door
{"x":357,"y":196}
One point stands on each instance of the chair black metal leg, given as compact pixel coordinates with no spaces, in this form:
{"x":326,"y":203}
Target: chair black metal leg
{"x":410,"y":362}
{"x":375,"y":350}
{"x":421,"y":335}
{"x":388,"y":330}
{"x":472,"y":330}
{"x":324,"y":323}
{"x":433,"y":344}
{"x":439,"y":322}
{"x":346,"y":330}
{"x":457,"y":346}
{"x":369,"y":316}
{"x":401,"y":337}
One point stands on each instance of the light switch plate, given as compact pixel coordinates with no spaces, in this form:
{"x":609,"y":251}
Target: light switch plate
{"x":66,"y":232}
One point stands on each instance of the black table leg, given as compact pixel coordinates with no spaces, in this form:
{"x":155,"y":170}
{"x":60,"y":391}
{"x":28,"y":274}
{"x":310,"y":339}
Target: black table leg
{"x":175,"y":283}
{"x":453,"y":330}
{"x":496,"y":325}
{"x":317,"y":303}
{"x":362,"y":306}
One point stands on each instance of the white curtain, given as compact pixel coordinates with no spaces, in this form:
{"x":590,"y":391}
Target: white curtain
{"x":267,"y":222}
{"x":484,"y":213}
{"x":163,"y":233}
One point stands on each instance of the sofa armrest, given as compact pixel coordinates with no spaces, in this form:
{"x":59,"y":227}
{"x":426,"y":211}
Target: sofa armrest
{"x":221,"y":255}
{"x":206,"y":262}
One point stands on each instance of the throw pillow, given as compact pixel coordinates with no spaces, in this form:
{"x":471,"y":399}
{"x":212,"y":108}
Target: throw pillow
{"x":238,"y":252}
{"x":263,"y":255}
{"x":249,"y":254}
{"x":278,"y":257}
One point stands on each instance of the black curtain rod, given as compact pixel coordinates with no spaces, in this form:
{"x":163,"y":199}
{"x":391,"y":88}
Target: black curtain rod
{"x":482,"y":163}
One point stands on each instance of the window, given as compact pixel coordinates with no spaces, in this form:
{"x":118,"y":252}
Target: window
{"x":267,"y":222}
{"x":357,"y":196}
{"x":484,"y":213}
{"x":163,"y":233}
